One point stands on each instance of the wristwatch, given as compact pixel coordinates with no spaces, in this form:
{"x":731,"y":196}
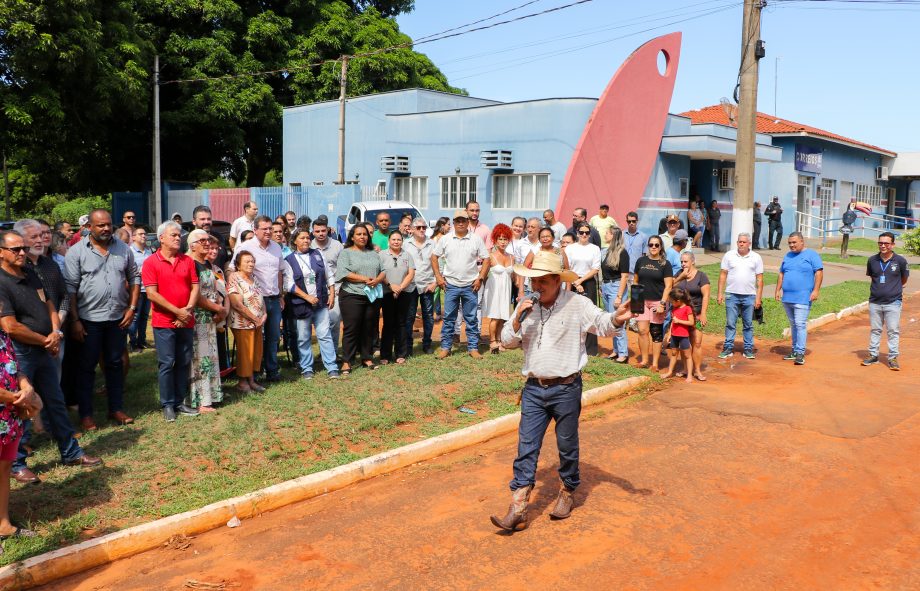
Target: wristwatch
{"x":60,"y":332}
{"x":133,"y":308}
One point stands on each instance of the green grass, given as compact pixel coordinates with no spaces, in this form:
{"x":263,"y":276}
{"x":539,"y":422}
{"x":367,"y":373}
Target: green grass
{"x":859,"y":244}
{"x":832,"y":299}
{"x":154,"y":469}
{"x":854,"y":259}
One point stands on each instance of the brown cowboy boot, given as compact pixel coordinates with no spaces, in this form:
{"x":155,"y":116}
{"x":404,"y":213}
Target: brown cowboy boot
{"x":517,"y":512}
{"x":564,"y":504}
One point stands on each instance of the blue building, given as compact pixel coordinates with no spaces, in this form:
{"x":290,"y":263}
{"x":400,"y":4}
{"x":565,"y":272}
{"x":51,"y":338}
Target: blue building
{"x":438,"y":150}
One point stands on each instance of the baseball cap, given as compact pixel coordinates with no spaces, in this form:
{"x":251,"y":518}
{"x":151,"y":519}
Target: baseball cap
{"x":681,"y":236}
{"x":84,"y":219}
{"x":321,"y":220}
{"x":672,"y":218}
{"x":461,"y":213}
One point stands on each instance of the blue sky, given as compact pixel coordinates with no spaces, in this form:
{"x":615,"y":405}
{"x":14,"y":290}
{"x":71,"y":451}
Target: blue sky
{"x":849,"y":68}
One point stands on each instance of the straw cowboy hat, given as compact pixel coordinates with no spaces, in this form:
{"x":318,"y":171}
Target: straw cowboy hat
{"x":546,"y":263}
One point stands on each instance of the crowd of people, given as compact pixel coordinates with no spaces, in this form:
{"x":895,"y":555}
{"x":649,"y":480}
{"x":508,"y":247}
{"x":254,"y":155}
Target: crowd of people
{"x":76,"y":298}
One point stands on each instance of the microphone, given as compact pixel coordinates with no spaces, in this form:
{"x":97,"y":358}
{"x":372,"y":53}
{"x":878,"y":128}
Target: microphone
{"x":535,"y":298}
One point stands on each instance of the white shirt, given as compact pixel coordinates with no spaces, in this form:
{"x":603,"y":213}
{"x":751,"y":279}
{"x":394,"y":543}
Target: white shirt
{"x":559,"y":230}
{"x":742,"y":272}
{"x":560,"y":351}
{"x":583,"y":257}
{"x":268,"y":264}
{"x":240,"y":225}
{"x":461,"y":258}
{"x":524,"y":247}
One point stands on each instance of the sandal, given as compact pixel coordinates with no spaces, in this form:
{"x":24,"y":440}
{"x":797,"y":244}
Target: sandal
{"x":206,"y":409}
{"x":493,"y":347}
{"x":244,"y":389}
{"x":370,"y":365}
{"x":19,"y":532}
{"x":346,"y":371}
{"x":700,"y":377}
{"x":400,"y":360}
{"x":257,"y":388}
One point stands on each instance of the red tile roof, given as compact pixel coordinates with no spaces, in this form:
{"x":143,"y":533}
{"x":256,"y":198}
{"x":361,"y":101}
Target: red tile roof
{"x":771,"y":125}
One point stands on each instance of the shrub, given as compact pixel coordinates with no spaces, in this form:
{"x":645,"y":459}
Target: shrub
{"x":70,"y":211}
{"x":911,"y":240}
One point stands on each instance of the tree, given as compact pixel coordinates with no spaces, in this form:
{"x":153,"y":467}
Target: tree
{"x":75,"y":82}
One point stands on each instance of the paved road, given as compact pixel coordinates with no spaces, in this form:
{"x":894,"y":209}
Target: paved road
{"x":768,"y":476}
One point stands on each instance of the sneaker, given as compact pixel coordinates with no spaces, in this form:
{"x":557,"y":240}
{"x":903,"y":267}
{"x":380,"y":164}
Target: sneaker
{"x":870,"y":360}
{"x":800,"y":359}
{"x":748,"y":355}
{"x":726,"y":353}
{"x":308,"y":375}
{"x":334,"y":375}
{"x":169,"y":413}
{"x":789,"y":357}
{"x":893,"y":364}
{"x":187,"y":410}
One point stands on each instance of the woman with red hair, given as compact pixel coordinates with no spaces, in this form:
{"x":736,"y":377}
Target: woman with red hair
{"x":496,"y":294}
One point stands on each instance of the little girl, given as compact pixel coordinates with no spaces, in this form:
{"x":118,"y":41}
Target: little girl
{"x":681,"y":321}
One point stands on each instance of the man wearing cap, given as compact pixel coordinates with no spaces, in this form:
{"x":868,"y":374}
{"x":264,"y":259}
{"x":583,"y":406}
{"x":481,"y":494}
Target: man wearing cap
{"x":330,"y":248}
{"x":603,"y":222}
{"x":461,"y":279}
{"x":104,"y":285}
{"x":667,"y":238}
{"x":774,"y":213}
{"x":244,"y":222}
{"x":83,"y":231}
{"x":552,"y":334}
{"x":420,"y":248}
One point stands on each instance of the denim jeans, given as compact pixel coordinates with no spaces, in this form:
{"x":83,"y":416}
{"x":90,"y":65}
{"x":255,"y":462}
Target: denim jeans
{"x":272,"y":332}
{"x":137,"y":330}
{"x":36,"y":364}
{"x":736,"y":305}
{"x":427,"y":300}
{"x":320,"y":320}
{"x":609,"y":290}
{"x":174,"y":359}
{"x":562,"y":404}
{"x":889,"y":316}
{"x":289,"y":331}
{"x":466,"y":300}
{"x":109,"y":340}
{"x":798,"y":322}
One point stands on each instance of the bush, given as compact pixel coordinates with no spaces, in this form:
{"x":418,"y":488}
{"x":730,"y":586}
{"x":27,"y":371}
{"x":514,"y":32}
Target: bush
{"x":70,"y":211}
{"x":218,"y":183}
{"x":911,"y":240}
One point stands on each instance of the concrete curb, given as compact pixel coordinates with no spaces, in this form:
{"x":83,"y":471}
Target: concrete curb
{"x":832,"y":317}
{"x":57,"y":564}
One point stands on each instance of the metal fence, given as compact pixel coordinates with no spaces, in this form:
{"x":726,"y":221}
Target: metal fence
{"x":813,"y":226}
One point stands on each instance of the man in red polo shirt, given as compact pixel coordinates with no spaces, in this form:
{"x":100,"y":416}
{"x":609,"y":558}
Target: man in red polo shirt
{"x":172,"y":288}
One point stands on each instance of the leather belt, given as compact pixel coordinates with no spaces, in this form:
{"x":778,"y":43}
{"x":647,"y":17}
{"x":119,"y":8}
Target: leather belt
{"x":271,"y":297}
{"x":550,"y":382}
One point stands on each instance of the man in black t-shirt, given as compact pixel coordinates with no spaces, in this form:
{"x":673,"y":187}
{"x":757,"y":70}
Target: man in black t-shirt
{"x":888,"y":272}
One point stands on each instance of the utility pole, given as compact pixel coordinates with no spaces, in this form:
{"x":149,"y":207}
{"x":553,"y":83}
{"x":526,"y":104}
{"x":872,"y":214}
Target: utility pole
{"x":156,"y":214}
{"x":342,"y":85}
{"x":751,"y":52}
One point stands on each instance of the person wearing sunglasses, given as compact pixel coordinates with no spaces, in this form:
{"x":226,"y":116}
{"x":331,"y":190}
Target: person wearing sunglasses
{"x":399,"y":267}
{"x":584,"y":258}
{"x":888,"y":272}
{"x":129,"y":222}
{"x":420,"y":247}
{"x":654,"y":273}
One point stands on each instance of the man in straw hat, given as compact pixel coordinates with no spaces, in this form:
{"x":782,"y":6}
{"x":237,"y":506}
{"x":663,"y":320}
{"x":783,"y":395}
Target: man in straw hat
{"x":552,"y":334}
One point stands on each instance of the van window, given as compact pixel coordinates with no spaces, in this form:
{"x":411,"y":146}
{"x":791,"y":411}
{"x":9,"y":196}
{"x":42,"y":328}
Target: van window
{"x":354,"y":216}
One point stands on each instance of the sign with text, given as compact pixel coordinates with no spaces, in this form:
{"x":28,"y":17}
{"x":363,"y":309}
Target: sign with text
{"x":808,"y":159}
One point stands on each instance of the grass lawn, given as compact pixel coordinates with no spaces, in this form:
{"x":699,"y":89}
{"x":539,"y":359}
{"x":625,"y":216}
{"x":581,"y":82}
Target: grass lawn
{"x":853,"y":259}
{"x":833,"y":299}
{"x":860,"y":244}
{"x":154,"y":469}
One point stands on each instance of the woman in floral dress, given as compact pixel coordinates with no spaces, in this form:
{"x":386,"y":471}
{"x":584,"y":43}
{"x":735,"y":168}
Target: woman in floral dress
{"x":205,"y":368}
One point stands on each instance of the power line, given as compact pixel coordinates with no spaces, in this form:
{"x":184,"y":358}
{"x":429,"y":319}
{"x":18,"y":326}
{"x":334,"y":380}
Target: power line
{"x":482,"y":20}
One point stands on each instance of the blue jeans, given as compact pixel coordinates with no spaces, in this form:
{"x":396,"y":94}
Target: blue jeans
{"x":109,"y":340}
{"x":320,"y":320}
{"x":36,"y":364}
{"x":137,"y":330}
{"x":562,"y":404}
{"x":174,"y":359}
{"x":798,"y":322}
{"x":272,"y":332}
{"x":427,"y":300}
{"x":736,"y":305}
{"x":609,"y":290}
{"x":889,"y":316}
{"x":465,"y":299}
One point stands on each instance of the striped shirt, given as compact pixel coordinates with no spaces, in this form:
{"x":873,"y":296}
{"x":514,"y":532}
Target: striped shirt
{"x":553,"y":338}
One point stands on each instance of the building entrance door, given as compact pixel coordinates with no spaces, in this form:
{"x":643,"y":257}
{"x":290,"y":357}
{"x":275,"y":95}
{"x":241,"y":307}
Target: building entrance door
{"x":803,"y":204}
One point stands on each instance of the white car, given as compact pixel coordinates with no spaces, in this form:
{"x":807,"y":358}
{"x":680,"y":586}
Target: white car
{"x":366,"y":211}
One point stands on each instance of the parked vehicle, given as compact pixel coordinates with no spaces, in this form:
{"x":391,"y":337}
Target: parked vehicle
{"x":366,"y":211}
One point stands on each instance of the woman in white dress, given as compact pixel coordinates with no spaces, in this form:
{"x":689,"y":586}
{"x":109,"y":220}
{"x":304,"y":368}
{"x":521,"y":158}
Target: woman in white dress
{"x":585,"y":259}
{"x":496,"y":295}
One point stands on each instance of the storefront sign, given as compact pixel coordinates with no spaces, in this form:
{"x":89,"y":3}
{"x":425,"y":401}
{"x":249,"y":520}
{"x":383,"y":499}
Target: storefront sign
{"x":808,"y":159}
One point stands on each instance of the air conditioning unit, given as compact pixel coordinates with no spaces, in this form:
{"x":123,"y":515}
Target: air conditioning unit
{"x":496,"y":159}
{"x":881,"y":173}
{"x":395,"y":164}
{"x":727,"y":179}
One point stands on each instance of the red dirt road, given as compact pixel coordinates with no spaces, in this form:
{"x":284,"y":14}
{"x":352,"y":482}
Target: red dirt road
{"x":768,"y":476}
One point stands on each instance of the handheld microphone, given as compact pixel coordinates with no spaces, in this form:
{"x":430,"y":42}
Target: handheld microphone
{"x":535,"y":298}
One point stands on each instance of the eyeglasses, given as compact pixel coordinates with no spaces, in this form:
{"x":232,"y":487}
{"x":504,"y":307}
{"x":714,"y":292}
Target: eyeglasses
{"x":654,"y":246}
{"x":15,"y":249}
{"x":584,"y":233}
{"x":129,"y":217}
{"x":885,"y":243}
{"x":420,"y":227}
{"x":632,"y":221}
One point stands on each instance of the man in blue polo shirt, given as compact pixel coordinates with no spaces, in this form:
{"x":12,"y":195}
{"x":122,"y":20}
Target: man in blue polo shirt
{"x":798,"y":285}
{"x":889,"y":272}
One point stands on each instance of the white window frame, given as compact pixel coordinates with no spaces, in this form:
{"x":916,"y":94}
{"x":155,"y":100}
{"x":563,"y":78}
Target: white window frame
{"x":516,"y":201}
{"x":412,"y":189}
{"x":871,"y":194}
{"x":727,"y":179}
{"x":912,"y":199}
{"x":458,"y":189}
